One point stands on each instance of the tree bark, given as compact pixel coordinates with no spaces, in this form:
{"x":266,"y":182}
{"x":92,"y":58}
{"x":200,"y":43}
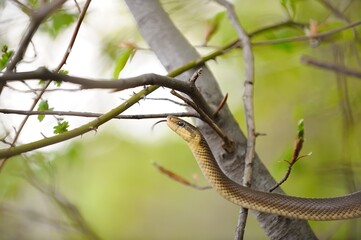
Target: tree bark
{"x":173,"y":50}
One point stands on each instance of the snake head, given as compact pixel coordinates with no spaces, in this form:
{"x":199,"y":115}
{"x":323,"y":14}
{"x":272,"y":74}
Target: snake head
{"x":187,"y":131}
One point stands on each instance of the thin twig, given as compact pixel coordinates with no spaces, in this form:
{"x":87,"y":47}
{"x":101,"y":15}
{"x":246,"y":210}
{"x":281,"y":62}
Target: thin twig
{"x":319,"y":36}
{"x":74,"y":35}
{"x":330,"y":66}
{"x":195,"y":76}
{"x":295,"y":155}
{"x":168,"y":100}
{"x":179,"y":178}
{"x":287,"y":174}
{"x":221,"y":105}
{"x":95,"y":115}
{"x":33,"y":90}
{"x":248,"y":106}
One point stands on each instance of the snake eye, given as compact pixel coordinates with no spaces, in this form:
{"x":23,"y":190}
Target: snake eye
{"x":181,"y":124}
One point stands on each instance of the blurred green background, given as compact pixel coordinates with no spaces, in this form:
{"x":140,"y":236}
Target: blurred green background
{"x":109,"y":177}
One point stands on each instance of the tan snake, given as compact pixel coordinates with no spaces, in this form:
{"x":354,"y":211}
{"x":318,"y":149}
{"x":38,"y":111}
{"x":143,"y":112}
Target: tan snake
{"x":322,"y":209}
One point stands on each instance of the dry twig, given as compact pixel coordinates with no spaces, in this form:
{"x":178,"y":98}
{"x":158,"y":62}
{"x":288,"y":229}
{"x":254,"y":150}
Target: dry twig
{"x":179,"y":178}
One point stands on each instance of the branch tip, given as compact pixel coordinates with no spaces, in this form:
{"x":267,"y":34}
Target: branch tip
{"x":195,"y":75}
{"x":221,"y":105}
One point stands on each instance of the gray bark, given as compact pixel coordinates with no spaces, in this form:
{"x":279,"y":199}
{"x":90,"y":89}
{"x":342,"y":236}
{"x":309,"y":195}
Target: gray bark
{"x":173,"y":50}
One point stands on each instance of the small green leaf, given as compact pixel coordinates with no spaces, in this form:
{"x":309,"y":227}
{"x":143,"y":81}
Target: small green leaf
{"x":58,"y":22}
{"x":64,"y":72}
{"x":41,"y":82}
{"x":62,"y":127}
{"x":300,"y":129}
{"x":122,"y":59}
{"x":43,"y":106}
{"x":58,"y":83}
{"x":5,"y":56}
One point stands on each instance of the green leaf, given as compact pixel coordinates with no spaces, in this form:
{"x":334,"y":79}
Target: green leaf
{"x":43,"y":106}
{"x":122,"y":59}
{"x":5,"y":56}
{"x":58,"y":83}
{"x":41,"y":82}
{"x":58,"y":22}
{"x":61,"y":127}
{"x":64,"y":72}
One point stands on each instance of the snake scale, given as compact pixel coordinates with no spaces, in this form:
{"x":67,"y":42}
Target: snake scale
{"x":321,"y":209}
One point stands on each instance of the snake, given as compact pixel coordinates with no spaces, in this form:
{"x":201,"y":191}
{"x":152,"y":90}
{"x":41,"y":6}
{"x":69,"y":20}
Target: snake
{"x":316,"y":209}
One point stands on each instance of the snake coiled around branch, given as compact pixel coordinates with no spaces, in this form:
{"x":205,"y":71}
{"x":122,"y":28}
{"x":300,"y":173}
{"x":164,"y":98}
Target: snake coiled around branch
{"x":321,"y":209}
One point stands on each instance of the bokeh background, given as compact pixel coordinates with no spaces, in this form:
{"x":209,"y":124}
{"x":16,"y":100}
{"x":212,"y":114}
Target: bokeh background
{"x":109,"y":176}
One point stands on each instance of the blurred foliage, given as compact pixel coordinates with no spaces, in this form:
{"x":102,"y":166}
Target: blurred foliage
{"x":110,"y":177}
{"x":33,"y":3}
{"x":11,"y":181}
{"x":5,"y":56}
{"x":121,"y":194}
{"x":58,"y":22}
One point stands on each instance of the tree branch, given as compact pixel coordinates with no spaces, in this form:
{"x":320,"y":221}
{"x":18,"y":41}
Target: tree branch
{"x":117,"y":84}
{"x":331,"y":67}
{"x":95,"y":115}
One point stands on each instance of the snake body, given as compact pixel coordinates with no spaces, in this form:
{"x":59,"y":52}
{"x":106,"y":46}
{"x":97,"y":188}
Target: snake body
{"x":321,"y":209}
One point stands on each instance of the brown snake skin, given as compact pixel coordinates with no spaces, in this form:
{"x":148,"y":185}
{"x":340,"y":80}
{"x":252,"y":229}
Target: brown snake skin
{"x":321,"y":209}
